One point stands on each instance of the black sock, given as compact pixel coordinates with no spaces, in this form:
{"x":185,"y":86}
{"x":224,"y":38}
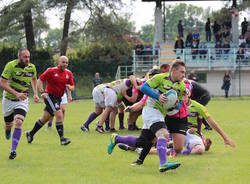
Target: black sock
{"x":7,"y":132}
{"x":36,"y":127}
{"x":145,"y":151}
{"x":59,"y":128}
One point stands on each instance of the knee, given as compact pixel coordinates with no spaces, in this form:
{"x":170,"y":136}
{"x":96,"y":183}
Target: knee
{"x":178,"y":150}
{"x":19,"y":120}
{"x":162,"y":133}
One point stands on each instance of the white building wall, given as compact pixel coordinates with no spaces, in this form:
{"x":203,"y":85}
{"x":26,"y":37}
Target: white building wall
{"x":215,"y":79}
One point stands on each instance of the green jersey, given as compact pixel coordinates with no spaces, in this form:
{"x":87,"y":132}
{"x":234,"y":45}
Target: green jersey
{"x":162,"y":83}
{"x":197,"y":111}
{"x":19,"y":77}
{"x":119,"y":85}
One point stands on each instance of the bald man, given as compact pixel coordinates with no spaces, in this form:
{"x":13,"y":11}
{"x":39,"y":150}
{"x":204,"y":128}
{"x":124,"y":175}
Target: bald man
{"x":57,"y":80}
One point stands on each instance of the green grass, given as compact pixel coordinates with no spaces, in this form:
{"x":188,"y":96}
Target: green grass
{"x":86,"y":160}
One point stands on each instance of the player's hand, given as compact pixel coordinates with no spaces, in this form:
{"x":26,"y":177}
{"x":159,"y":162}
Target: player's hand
{"x":21,"y":96}
{"x":44,"y":95}
{"x":36,"y":98}
{"x":70,"y":99}
{"x":128,"y":109}
{"x":163,"y":99}
{"x":69,"y":87}
{"x":230,"y":143}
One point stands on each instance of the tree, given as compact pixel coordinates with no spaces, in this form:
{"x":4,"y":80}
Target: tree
{"x":18,"y":18}
{"x":94,"y":7}
{"x":147,"y":33}
{"x":190,"y":15}
{"x":53,"y":39}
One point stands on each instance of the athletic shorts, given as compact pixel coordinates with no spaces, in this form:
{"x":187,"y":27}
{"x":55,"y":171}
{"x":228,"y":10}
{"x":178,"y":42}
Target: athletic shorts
{"x":64,"y":99}
{"x":52,"y":104}
{"x":98,"y":97}
{"x":176,"y":125}
{"x":151,"y":116}
{"x":9,"y":106}
{"x":110,"y":98}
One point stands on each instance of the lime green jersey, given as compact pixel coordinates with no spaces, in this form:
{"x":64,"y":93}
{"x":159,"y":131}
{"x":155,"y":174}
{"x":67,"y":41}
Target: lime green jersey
{"x":195,"y":111}
{"x":119,"y":85}
{"x":162,"y":83}
{"x":19,"y":77}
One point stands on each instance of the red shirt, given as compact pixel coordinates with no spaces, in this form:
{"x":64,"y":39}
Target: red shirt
{"x":56,"y":80}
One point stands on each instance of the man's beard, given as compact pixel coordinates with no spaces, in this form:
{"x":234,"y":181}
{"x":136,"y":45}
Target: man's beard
{"x":23,"y":63}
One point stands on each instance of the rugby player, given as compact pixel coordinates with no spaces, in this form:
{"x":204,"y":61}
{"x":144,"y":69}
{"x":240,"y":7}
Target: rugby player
{"x":15,"y":80}
{"x":57,"y":80}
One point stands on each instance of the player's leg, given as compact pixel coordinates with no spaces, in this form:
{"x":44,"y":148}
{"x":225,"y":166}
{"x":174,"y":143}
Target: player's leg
{"x":52,"y":105}
{"x":8,"y":125}
{"x":19,"y":115}
{"x":112,"y":117}
{"x":110,"y":103}
{"x":121,"y":116}
{"x":50,"y":122}
{"x":60,"y":128}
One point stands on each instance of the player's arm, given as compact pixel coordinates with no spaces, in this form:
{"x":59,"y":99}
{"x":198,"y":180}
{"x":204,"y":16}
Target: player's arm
{"x":130,"y":98}
{"x":146,"y":88}
{"x":4,"y":83}
{"x":133,"y":81}
{"x":34,"y":88}
{"x":69,"y":95}
{"x":216,"y":127}
{"x":70,"y":86}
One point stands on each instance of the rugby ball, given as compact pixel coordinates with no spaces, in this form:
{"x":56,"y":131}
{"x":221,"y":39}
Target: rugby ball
{"x":172,"y":98}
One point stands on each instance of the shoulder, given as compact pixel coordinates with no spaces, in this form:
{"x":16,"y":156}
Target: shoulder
{"x":69,"y":72}
{"x":12,"y":63}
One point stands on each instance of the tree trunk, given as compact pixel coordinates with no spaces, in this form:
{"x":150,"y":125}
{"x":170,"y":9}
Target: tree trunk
{"x":64,"y":43}
{"x":29,"y":32}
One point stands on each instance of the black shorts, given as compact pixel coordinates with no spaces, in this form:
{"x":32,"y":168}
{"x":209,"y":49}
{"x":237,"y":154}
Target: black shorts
{"x":157,"y":126}
{"x":52,"y":104}
{"x":146,"y":138}
{"x":10,"y":118}
{"x":176,"y":125}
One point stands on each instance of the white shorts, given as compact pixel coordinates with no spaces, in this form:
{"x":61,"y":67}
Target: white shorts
{"x":8,"y":106}
{"x":98,"y":97}
{"x":150,"y":116}
{"x":110,"y":98}
{"x":192,"y":140}
{"x":64,"y":99}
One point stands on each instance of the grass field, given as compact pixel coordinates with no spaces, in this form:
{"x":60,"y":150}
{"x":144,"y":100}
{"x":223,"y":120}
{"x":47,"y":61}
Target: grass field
{"x":86,"y":160}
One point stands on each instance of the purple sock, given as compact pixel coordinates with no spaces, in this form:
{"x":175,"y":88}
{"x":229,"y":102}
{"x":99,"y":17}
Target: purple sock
{"x":129,"y":140}
{"x":91,"y":118}
{"x":186,"y":151}
{"x":16,"y":137}
{"x":162,"y":149}
{"x":121,"y":118}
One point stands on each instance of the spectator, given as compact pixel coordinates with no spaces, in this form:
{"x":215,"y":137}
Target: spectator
{"x":244,"y":26}
{"x":139,"y":50}
{"x":97,"y":80}
{"x":218,"y":37}
{"x":189,"y":39}
{"x":180,"y":29}
{"x":179,"y":44}
{"x":203,"y":50}
{"x":247,"y":55}
{"x":226,"y":83}
{"x":208,"y":30}
{"x":156,"y":49}
{"x":226,"y":49}
{"x":148,"y":51}
{"x":192,"y":76}
{"x":248,"y":36}
{"x":216,"y":28}
{"x":242,"y":41}
{"x":196,"y":36}
{"x":194,"y":49}
{"x":241,"y":55}
{"x":218,"y":49}
{"x":226,"y":33}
